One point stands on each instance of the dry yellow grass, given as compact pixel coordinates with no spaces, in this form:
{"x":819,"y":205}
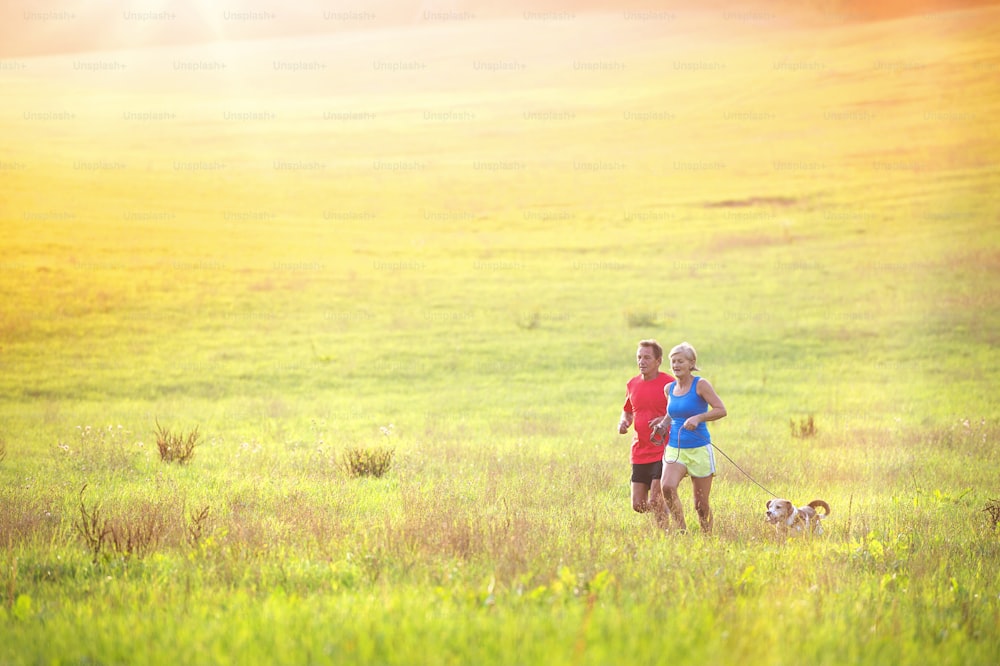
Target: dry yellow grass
{"x":461,"y":228}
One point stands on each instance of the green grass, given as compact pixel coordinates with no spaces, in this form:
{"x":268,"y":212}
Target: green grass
{"x":490,"y":315}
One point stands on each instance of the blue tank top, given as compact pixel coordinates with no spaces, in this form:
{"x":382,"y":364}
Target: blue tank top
{"x":680,"y":409}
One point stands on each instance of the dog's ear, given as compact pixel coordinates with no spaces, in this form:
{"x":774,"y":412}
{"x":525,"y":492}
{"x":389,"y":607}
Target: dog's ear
{"x":769,"y":503}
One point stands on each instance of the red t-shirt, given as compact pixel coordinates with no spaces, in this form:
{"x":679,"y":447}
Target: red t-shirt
{"x":646,"y":401}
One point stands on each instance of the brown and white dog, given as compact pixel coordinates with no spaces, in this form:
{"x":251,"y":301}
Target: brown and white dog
{"x":792,"y":520}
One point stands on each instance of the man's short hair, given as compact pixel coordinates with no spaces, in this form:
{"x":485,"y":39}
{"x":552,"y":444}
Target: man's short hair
{"x":657,"y":349}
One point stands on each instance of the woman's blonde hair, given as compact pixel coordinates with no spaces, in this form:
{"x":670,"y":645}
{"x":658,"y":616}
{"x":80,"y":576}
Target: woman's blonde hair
{"x":688,"y":351}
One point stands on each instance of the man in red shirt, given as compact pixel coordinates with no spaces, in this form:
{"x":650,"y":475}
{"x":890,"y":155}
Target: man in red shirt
{"x":645,"y":401}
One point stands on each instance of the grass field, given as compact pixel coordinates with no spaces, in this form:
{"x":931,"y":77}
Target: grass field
{"x":446,"y":238}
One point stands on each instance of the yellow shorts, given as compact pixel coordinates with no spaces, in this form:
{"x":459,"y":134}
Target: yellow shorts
{"x":699,"y":461}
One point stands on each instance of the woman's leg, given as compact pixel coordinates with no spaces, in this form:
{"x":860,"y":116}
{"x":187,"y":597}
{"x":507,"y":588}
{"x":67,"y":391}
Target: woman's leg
{"x":702,"y":489}
{"x":673,"y":472}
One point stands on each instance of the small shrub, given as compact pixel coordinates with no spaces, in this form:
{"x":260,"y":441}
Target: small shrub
{"x":138,"y":533}
{"x":804,"y":429}
{"x":992,"y":509}
{"x":196,"y":528}
{"x":640,"y":318}
{"x":134,"y":533}
{"x":93,"y":527}
{"x":374,"y":461}
{"x":528,"y":320}
{"x":176,"y":447}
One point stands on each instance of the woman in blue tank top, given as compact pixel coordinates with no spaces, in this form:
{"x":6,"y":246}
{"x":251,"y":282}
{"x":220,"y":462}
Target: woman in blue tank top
{"x":691,"y":402}
{"x":682,"y":407}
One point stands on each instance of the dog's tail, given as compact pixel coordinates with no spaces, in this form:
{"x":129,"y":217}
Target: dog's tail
{"x":816,"y":504}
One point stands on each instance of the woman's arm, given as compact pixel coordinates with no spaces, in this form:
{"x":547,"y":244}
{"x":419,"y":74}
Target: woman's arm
{"x":717,"y":411}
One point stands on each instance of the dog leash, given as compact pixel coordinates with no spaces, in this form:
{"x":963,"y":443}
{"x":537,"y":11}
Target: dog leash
{"x":742,"y":470}
{"x":656,"y":439}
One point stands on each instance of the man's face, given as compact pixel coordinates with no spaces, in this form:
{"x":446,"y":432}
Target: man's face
{"x":648,"y":364}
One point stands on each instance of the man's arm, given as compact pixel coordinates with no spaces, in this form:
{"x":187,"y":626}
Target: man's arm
{"x":625,"y":422}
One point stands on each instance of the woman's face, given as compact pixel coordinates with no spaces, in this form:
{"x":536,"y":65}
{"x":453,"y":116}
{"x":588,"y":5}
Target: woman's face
{"x":681,"y":365}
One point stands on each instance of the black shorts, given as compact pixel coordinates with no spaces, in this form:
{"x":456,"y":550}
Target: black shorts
{"x":647,"y":472}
